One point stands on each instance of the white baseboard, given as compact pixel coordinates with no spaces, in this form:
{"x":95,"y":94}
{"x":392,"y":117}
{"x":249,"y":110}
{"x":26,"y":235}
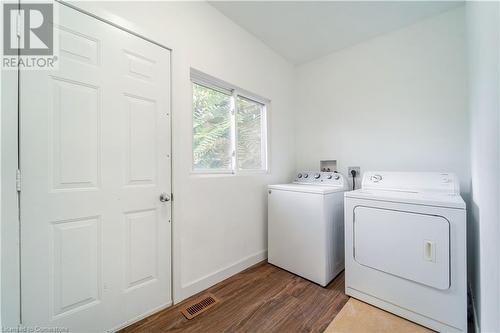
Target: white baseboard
{"x":194,"y":287}
{"x":203,"y":283}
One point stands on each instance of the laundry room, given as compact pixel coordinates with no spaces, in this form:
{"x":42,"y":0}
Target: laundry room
{"x":250,"y":166}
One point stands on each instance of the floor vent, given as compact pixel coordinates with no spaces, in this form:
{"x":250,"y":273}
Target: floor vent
{"x":199,"y":305}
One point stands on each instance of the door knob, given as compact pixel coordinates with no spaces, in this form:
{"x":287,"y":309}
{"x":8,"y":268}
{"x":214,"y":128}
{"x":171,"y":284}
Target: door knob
{"x":164,"y":197}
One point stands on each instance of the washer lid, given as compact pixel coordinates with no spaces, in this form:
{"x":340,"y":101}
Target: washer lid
{"x":438,"y":199}
{"x":319,"y":189}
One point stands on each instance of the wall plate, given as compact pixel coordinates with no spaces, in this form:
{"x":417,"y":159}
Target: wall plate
{"x":357,"y":169}
{"x":328,"y":165}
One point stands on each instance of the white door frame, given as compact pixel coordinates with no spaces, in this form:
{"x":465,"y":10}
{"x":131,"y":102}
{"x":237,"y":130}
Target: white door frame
{"x":10,"y":270}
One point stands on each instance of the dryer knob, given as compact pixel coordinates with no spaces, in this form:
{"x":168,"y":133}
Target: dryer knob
{"x":317,"y":175}
{"x":299,"y":175}
{"x":306,"y":175}
{"x":329,"y":176}
{"x":337,"y":177}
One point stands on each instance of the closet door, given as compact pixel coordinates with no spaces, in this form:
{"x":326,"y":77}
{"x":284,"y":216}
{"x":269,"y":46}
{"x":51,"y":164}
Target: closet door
{"x":95,"y":159}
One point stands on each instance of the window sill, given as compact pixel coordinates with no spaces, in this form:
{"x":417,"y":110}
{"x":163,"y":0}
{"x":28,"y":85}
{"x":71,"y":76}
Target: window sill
{"x":221,"y":173}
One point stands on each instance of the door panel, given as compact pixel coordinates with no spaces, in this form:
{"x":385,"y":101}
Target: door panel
{"x":77,"y":264}
{"x":78,"y":46}
{"x":75,"y":136}
{"x":95,"y":156}
{"x":141,"y":248}
{"x":408,"y":245}
{"x":141,"y":133}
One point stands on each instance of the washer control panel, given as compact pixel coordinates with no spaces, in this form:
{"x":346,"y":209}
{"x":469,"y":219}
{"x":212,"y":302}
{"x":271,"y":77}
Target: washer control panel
{"x":320,"y":178}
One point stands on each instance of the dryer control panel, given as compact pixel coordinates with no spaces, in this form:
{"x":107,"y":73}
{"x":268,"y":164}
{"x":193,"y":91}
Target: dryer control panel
{"x":320,"y":178}
{"x":411,"y":181}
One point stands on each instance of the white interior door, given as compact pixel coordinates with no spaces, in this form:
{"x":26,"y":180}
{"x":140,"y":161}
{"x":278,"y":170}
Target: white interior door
{"x":95,"y":157}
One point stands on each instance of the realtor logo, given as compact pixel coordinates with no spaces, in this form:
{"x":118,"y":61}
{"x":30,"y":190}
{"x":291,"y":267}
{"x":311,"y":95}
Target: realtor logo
{"x":28,"y":29}
{"x":28,"y":36}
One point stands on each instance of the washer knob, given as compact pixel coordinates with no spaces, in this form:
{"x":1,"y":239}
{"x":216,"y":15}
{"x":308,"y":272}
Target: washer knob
{"x":317,"y":175}
{"x":329,"y":177}
{"x":376,"y":178}
{"x":337,"y":177}
{"x":299,"y":175}
{"x":306,"y":175}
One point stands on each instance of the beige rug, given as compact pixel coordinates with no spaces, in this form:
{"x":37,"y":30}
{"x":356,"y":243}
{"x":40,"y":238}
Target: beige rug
{"x":357,"y":316}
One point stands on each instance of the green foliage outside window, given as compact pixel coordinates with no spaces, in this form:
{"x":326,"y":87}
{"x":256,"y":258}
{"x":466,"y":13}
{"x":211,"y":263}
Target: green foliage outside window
{"x":249,"y":120}
{"x":212,"y":128}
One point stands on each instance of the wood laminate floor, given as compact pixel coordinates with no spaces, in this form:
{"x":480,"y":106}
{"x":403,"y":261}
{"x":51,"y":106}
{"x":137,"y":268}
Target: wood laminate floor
{"x":262,"y":298}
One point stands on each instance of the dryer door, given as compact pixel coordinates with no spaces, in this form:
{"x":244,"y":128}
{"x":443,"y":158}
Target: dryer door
{"x":409,"y":245}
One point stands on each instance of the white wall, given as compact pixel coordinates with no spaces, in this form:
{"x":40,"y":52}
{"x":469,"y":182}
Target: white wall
{"x":395,"y":102}
{"x":352,"y":104}
{"x":483,"y":37}
{"x":219,"y":221}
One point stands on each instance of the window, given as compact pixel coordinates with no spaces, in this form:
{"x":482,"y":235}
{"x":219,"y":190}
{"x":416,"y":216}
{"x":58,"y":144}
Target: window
{"x":249,"y":125}
{"x":229,"y":127}
{"x":212,"y":147}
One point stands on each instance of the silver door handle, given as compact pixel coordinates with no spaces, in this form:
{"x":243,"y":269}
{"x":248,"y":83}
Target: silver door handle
{"x":164,"y":197}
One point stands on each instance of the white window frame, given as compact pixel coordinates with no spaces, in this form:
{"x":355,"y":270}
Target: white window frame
{"x":208,"y":81}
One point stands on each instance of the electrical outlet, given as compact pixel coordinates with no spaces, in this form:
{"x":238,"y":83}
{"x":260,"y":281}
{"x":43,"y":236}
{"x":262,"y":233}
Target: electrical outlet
{"x":357,"y":169}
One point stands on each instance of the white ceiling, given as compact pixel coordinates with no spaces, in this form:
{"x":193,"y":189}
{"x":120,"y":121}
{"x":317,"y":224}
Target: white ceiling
{"x":306,"y":30}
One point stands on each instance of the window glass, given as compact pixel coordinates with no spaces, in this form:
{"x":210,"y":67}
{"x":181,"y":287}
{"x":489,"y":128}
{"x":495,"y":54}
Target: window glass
{"x":211,"y":129}
{"x":250,"y":150}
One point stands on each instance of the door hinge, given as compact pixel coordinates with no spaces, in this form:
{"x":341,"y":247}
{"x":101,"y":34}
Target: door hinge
{"x":18,"y":24}
{"x":18,"y":180}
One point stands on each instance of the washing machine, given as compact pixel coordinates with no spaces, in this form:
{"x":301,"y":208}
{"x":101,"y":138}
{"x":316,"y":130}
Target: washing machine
{"x":405,"y":247}
{"x":306,"y":225}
